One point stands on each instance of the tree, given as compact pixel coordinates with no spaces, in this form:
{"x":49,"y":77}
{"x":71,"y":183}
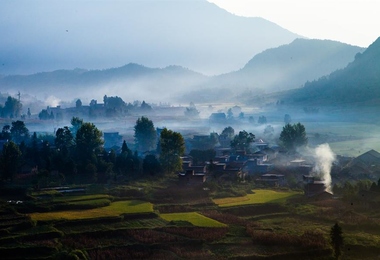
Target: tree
{"x":228,"y":133}
{"x":151,"y":165}
{"x":192,"y":111}
{"x":145,"y":107}
{"x":88,"y":140}
{"x":293,"y":136}
{"x":145,"y":134}
{"x":10,"y":160}
{"x":242,"y":141}
{"x":6,"y":133}
{"x":336,"y":239}
{"x":19,"y":132}
{"x":125,"y":149}
{"x":12,"y":107}
{"x":78,"y":103}
{"x":76,"y":123}
{"x":172,"y":147}
{"x":63,"y":138}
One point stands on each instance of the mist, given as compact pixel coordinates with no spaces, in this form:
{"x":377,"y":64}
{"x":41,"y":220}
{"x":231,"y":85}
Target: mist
{"x":49,"y":35}
{"x":324,"y":158}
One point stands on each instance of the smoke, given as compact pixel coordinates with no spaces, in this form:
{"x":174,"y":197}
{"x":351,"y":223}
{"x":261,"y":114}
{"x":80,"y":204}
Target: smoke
{"x":324,"y":158}
{"x":52,"y":101}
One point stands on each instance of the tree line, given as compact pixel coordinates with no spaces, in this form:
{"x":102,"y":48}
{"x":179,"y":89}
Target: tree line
{"x":76,"y":153}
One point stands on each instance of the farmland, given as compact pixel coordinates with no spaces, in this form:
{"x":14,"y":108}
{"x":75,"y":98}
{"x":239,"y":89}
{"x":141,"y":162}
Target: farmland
{"x":265,"y":223}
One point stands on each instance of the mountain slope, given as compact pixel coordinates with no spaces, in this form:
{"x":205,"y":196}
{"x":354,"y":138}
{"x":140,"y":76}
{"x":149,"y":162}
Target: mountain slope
{"x":130,"y":82}
{"x":356,"y":84}
{"x":49,"y":35}
{"x":290,"y":66}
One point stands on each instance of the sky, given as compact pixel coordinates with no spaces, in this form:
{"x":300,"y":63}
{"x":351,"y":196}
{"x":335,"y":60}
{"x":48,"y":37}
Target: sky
{"x":355,"y":22}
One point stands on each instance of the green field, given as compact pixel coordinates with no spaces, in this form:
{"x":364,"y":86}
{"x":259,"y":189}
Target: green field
{"x":258,"y":197}
{"x":194,"y":218}
{"x":114,"y":210}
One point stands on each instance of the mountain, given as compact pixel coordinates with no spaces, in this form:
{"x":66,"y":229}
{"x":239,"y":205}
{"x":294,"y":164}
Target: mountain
{"x":278,"y":69}
{"x":130,"y":82}
{"x":358,"y":84}
{"x":291,"y":65}
{"x":50,"y":35}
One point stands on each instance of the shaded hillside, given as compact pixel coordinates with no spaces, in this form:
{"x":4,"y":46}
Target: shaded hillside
{"x":290,"y":66}
{"x":357,"y":84}
{"x":195,"y":34}
{"x":282,"y":68}
{"x":131,"y":82}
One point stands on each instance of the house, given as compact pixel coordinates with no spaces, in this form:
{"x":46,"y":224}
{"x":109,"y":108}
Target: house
{"x":314,"y":188}
{"x":273,"y":180}
{"x":190,"y":177}
{"x":255,"y":166}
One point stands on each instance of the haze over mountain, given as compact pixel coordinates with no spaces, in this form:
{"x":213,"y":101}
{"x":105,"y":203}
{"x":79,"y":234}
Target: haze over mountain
{"x":358,"y":84}
{"x":291,"y":65}
{"x":42,"y":35}
{"x":131,"y":82}
{"x":281,"y":68}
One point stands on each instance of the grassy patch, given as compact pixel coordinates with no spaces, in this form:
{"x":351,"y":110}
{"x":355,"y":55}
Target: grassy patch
{"x":113,"y":210}
{"x":259,"y":197}
{"x":81,"y":198}
{"x":194,"y":218}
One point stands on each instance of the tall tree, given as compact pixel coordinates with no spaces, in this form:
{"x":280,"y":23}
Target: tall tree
{"x":242,"y":141}
{"x":9,"y":160}
{"x":76,"y":123}
{"x":336,"y":238}
{"x":19,"y":132}
{"x":293,"y":136}
{"x":88,"y":141}
{"x":12,"y":107}
{"x":6,"y":133}
{"x":172,"y":147}
{"x":63,"y":138}
{"x":228,"y":133}
{"x":145,"y":134}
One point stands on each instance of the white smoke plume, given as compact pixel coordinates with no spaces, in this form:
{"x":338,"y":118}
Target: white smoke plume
{"x":324,"y":158}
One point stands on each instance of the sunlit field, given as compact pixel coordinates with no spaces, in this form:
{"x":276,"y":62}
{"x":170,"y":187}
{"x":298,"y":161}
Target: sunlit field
{"x":113,"y":210}
{"x":194,"y":218}
{"x":259,"y":197}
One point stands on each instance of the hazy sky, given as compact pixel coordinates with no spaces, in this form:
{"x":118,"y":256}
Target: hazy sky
{"x":355,"y":22}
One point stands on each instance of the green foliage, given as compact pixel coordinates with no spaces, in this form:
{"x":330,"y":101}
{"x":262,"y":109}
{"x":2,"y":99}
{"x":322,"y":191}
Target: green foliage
{"x":336,"y":237}
{"x":12,"y":108}
{"x":145,"y":134}
{"x":9,"y":160}
{"x":88,"y":140}
{"x":151,"y":165}
{"x":172,"y":148}
{"x":293,"y":136}
{"x":19,"y":132}
{"x":194,"y":218}
{"x":242,"y":141}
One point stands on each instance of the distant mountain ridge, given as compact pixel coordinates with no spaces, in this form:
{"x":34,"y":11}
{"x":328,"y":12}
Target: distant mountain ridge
{"x":356,"y":84}
{"x":276,"y":69}
{"x":131,"y":81}
{"x":291,"y":65}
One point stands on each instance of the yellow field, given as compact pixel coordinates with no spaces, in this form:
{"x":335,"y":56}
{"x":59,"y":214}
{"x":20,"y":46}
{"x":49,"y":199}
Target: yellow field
{"x":259,"y":197}
{"x":194,"y":218}
{"x":113,"y":210}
